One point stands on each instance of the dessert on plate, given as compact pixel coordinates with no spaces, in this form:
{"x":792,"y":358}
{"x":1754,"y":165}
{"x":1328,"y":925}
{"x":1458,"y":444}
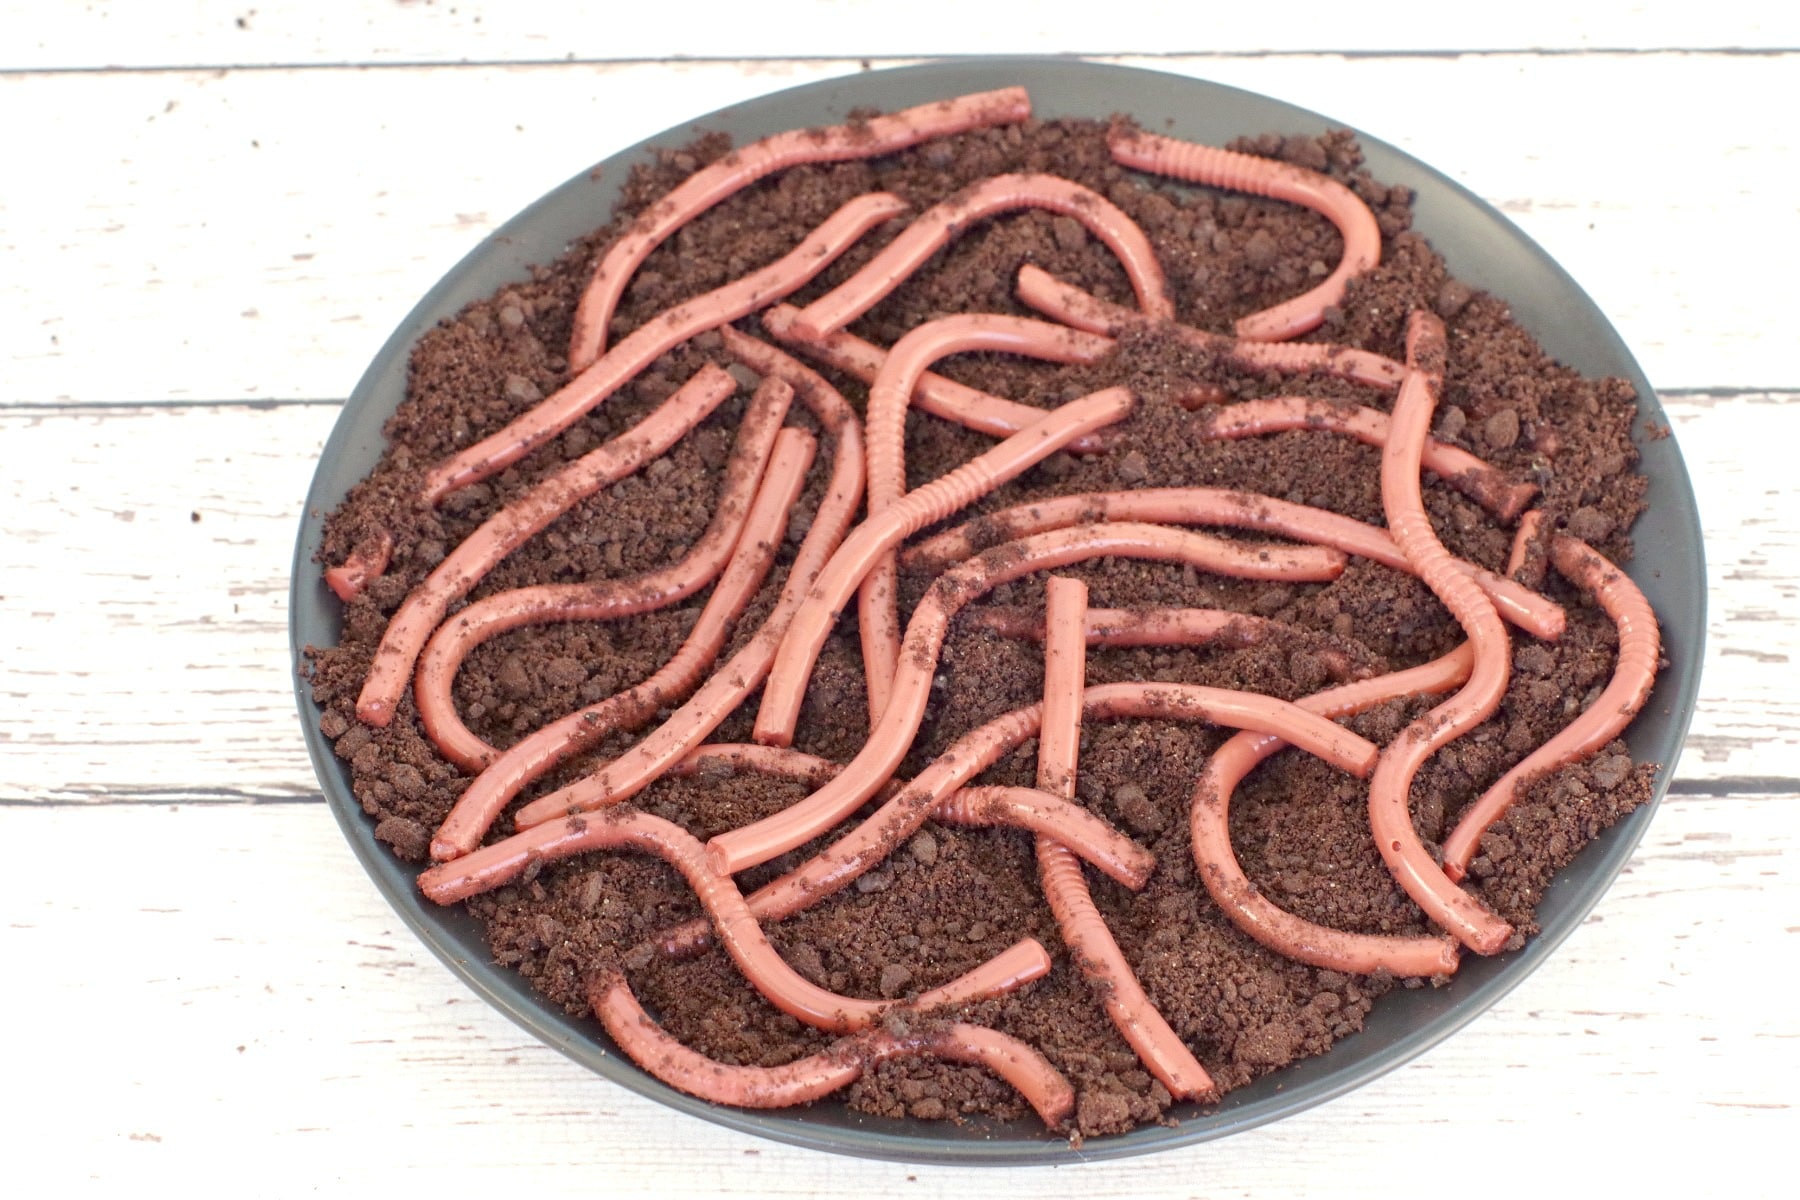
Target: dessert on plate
{"x":976,"y":614}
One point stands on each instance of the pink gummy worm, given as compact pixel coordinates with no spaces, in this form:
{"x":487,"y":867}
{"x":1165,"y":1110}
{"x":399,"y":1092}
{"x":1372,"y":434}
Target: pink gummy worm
{"x":656,"y":337}
{"x":499,"y":863}
{"x":934,"y":394}
{"x":719,"y":696}
{"x":509,"y":528}
{"x":608,"y":599}
{"x":1158,"y":627}
{"x":366,"y":562}
{"x":1536,"y":614}
{"x":1039,"y":290}
{"x":1091,"y":944}
{"x":878,"y":601}
{"x":1640,"y":651}
{"x":1054,"y":816}
{"x":872,"y":540}
{"x":900,"y":817}
{"x":1090,"y":838}
{"x":1482,"y":483}
{"x":891,"y":736}
{"x":818,"y":1075}
{"x":731,"y":758}
{"x":738,"y":170}
{"x":536,"y":755}
{"x":1527,"y":533}
{"x":1249,"y":909}
{"x":1390,"y":790}
{"x":932,"y":230}
{"x":1213,"y":167}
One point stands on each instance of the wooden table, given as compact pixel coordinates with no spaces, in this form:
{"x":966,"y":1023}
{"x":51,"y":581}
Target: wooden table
{"x":210,"y":223}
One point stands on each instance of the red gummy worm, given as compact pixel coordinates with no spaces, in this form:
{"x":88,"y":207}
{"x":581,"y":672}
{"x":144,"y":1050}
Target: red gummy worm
{"x":1537,"y":615}
{"x":739,"y":169}
{"x":365,"y":564}
{"x":1249,"y":909}
{"x":818,"y":1075}
{"x":869,"y":543}
{"x":1640,"y":651}
{"x":1091,"y":944}
{"x":932,"y":230}
{"x":1390,"y":790}
{"x":878,"y":611}
{"x":934,"y":394}
{"x":888,"y":741}
{"x":1213,"y":167}
{"x":818,"y":250}
{"x":742,"y":937}
{"x":1041,"y":291}
{"x":533,"y":756}
{"x":607,"y":599}
{"x":509,"y":528}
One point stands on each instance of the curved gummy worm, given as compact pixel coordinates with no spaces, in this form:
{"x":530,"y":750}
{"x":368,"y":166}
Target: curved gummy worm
{"x":1245,"y":904}
{"x":870,"y":542}
{"x":1640,"y":650}
{"x":1475,"y":479}
{"x":1536,"y":614}
{"x":932,"y":230}
{"x":656,"y":337}
{"x":818,"y":1075}
{"x":365,"y":564}
{"x":878,"y":602}
{"x":934,"y":394}
{"x":1043,"y":292}
{"x":1390,"y":789}
{"x":1213,"y":167}
{"x":893,"y":734}
{"x":607,"y":599}
{"x":535,"y":755}
{"x":1091,"y":944}
{"x":739,"y":169}
{"x":509,"y":528}
{"x":619,"y":829}
{"x":744,"y":672}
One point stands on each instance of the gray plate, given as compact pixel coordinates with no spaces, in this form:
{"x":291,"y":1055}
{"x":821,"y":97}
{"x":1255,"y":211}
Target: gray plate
{"x":1482,"y":247}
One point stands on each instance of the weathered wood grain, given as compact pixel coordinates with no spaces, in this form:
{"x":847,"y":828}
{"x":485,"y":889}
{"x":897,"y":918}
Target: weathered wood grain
{"x":238,"y":1002}
{"x":146,"y":652}
{"x":227,"y":33}
{"x":257,"y":234}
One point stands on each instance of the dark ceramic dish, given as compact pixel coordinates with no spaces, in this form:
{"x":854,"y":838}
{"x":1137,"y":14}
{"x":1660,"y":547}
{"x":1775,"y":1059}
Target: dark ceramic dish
{"x":1482,"y":248}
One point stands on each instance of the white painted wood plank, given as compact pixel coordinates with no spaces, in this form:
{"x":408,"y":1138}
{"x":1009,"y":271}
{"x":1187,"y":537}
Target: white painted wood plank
{"x":258,"y":234}
{"x":257,"y":1015}
{"x":144,"y":656}
{"x":232,"y":33}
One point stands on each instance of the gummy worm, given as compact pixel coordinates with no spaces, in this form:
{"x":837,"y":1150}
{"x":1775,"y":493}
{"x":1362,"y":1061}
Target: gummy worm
{"x":932,"y":230}
{"x":1640,"y":651}
{"x":1209,"y":165}
{"x":509,"y":528}
{"x":818,"y":1075}
{"x":739,"y":169}
{"x":656,"y":337}
{"x":1249,"y":909}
